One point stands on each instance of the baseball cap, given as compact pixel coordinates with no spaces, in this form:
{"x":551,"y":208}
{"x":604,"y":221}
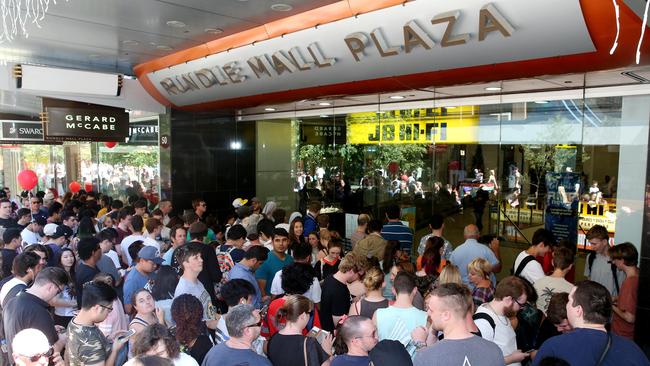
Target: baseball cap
{"x":60,"y":231}
{"x":239,"y":202}
{"x":283,"y":226}
{"x":151,"y":254}
{"x":10,"y":234}
{"x":40,"y":220}
{"x":50,"y":229}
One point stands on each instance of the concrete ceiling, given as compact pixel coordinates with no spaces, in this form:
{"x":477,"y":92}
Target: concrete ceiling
{"x":115,"y":35}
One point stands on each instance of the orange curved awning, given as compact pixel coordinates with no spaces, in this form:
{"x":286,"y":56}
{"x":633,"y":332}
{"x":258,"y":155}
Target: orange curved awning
{"x":599,"y":17}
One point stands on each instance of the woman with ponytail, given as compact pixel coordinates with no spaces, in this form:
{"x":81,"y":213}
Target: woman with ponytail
{"x":286,"y":344}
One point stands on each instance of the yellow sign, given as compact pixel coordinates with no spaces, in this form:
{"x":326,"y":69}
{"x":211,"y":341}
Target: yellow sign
{"x":417,"y":126}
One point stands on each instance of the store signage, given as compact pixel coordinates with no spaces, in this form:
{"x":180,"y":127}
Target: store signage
{"x":322,"y":134}
{"x":21,"y":132}
{"x":143,"y":133}
{"x":423,"y":126}
{"x":96,"y":123}
{"x":418,"y":36}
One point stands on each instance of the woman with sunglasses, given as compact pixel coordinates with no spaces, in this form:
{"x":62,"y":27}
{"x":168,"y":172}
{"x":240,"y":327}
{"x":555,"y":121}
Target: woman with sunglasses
{"x":286,"y":345}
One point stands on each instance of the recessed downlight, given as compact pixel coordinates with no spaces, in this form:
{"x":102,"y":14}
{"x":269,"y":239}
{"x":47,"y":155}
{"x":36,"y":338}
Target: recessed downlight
{"x":324,"y":104}
{"x":281,"y":7}
{"x":541,"y":102}
{"x":213,"y":30}
{"x":397,"y":97}
{"x":324,"y":115}
{"x":163,"y":47}
{"x":130,"y":42}
{"x":175,"y":24}
{"x":493,"y":88}
{"x":269,"y":109}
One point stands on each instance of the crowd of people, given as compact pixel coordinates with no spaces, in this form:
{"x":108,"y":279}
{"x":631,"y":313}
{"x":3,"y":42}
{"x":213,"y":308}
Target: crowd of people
{"x":88,"y":280}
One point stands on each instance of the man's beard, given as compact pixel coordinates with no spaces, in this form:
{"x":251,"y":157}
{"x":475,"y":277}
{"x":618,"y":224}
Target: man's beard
{"x":510,"y":312}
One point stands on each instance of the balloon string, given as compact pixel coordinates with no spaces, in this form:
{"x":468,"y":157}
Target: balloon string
{"x":618,"y":27}
{"x":643,"y":26}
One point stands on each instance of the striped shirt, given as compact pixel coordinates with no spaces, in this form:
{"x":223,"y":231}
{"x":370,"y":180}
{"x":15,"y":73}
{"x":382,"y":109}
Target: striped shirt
{"x":395,"y":230}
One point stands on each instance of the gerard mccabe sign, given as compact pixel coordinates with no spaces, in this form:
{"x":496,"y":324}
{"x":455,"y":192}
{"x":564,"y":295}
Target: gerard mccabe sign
{"x":417,"y":37}
{"x":86,"y":124}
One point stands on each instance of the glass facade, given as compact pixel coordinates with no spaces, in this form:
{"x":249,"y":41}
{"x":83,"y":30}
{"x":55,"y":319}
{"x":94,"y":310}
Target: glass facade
{"x":563,"y":164}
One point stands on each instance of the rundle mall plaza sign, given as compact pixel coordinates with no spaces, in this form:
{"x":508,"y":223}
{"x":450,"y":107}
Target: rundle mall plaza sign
{"x":416,"y":37}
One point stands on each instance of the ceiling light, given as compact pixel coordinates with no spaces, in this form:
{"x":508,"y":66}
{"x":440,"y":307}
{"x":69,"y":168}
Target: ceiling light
{"x":397,"y":97}
{"x":324,"y":104}
{"x":269,"y":109}
{"x":451,"y":108}
{"x":493,"y":88}
{"x":130,"y":42}
{"x":281,"y":7}
{"x":213,"y":30}
{"x":163,"y":47}
{"x":324,"y":116}
{"x":541,"y":102}
{"x":176,"y":24}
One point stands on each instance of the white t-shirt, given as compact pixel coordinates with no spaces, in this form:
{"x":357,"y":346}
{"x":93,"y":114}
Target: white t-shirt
{"x":533,"y":270}
{"x":8,"y":286}
{"x":312,"y":294}
{"x":547,"y":286}
{"x":152,"y":243}
{"x":29,"y":237}
{"x":126,"y":243}
{"x":503,"y":334}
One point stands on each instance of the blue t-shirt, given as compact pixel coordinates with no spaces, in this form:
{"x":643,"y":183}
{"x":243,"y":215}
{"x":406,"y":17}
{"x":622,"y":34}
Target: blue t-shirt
{"x":134,"y":281}
{"x":347,"y":360}
{"x":396,"y":230}
{"x":584,"y":346}
{"x":221,"y":354}
{"x":169,"y":257}
{"x":269,"y":268}
{"x":467,"y":252}
{"x":242,"y":272}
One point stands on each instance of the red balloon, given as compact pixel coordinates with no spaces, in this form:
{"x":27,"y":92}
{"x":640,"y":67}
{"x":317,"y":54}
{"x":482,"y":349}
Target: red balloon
{"x":88,"y":186}
{"x":393,"y":167}
{"x":110,"y":144}
{"x":27,"y":179}
{"x":74,"y":186}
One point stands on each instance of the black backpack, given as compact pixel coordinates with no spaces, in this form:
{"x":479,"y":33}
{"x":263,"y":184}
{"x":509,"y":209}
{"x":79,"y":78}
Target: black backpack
{"x":592,"y":257}
{"x":485,"y":317}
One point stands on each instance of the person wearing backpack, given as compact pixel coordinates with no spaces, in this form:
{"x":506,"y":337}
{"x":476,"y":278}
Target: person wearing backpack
{"x":493,"y":318}
{"x":525,"y":265}
{"x":599,"y":268}
{"x":231,"y":252}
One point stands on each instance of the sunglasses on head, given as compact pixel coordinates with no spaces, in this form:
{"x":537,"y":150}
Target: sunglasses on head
{"x":37,"y":357}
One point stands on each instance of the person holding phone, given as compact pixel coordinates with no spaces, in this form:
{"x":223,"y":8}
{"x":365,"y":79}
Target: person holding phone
{"x":87,"y":345}
{"x":285,"y":345}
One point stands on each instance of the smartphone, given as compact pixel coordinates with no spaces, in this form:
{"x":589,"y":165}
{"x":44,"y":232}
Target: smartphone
{"x":264,"y":310}
{"x":127,"y":335}
{"x":318,"y":333}
{"x":530,"y":351}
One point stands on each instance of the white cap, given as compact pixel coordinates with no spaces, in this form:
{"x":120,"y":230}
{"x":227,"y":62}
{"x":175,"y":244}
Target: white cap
{"x":283,"y":226}
{"x":49,"y":229}
{"x":239,"y":202}
{"x":30,"y":342}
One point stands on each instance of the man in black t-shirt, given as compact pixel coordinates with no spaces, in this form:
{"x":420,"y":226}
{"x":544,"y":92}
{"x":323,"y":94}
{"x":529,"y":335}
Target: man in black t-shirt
{"x":89,"y":254}
{"x":335,"y":298}
{"x":11,"y":238}
{"x":6,"y":210}
{"x":30,"y":309}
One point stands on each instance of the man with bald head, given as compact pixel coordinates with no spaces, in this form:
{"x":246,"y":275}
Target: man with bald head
{"x":472,"y":249}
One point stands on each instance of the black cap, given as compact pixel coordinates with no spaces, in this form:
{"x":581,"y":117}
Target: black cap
{"x":62,"y":230}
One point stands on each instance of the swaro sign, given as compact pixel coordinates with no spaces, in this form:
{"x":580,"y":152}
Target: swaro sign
{"x":419,"y":36}
{"x":98,"y":124}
